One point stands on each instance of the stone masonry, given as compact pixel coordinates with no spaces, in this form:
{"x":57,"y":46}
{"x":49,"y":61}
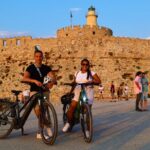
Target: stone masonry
{"x":113,"y":58}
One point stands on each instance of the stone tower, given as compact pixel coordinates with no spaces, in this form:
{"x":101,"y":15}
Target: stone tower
{"x":91,"y":17}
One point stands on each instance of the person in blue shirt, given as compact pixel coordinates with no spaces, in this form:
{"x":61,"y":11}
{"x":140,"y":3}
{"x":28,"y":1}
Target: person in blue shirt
{"x":145,"y":84}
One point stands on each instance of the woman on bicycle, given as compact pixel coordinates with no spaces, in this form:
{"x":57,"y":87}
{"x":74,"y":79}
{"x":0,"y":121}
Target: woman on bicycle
{"x":85,"y":75}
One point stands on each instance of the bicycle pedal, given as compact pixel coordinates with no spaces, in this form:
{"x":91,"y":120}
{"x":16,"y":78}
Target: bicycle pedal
{"x":3,"y":123}
{"x":13,"y":112}
{"x":70,"y":129}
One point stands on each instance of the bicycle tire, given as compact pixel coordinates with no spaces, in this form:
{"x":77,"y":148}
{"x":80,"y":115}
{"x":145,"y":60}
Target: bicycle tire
{"x":6,"y":121}
{"x":49,"y":120}
{"x":65,"y":109}
{"x":86,"y":121}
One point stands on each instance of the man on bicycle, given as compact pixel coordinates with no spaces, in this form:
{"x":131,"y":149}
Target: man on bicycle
{"x":83,"y":76}
{"x":34,"y":75}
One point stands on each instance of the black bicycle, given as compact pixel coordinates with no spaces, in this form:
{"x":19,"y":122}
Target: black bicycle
{"x":82,"y":114}
{"x":12,"y":116}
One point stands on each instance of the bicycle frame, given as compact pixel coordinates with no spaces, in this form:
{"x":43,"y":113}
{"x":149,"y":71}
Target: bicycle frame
{"x":83,"y":114}
{"x":27,"y":107}
{"x":83,"y":99}
{"x":83,"y":96}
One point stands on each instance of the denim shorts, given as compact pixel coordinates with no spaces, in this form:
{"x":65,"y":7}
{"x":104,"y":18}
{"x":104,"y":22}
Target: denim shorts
{"x":144,"y":95}
{"x":89,"y":92}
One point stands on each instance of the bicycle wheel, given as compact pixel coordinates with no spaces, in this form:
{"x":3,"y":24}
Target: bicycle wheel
{"x":86,"y":123}
{"x":6,"y":121}
{"x":49,"y":123}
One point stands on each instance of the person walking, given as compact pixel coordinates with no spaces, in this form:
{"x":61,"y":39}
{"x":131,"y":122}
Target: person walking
{"x":101,"y":90}
{"x":112,"y":90}
{"x":138,"y":90}
{"x":126,"y":91}
{"x":145,"y":84}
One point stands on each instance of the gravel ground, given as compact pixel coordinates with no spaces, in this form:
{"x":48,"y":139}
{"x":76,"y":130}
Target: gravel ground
{"x":117,"y":126}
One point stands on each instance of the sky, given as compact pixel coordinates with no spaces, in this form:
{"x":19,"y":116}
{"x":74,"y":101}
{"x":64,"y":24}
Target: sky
{"x":42,"y":18}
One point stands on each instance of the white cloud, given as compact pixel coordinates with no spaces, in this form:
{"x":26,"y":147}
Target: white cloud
{"x":7,"y":34}
{"x":75,"y":9}
{"x":148,"y":38}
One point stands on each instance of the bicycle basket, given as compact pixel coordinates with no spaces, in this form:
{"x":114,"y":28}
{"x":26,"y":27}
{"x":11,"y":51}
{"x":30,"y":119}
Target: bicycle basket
{"x":66,"y":99}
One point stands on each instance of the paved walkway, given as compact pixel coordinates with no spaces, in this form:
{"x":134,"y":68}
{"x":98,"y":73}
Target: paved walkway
{"x":116,"y":127}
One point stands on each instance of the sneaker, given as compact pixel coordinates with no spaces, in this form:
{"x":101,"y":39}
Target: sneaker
{"x":46,"y":137}
{"x":87,"y":133}
{"x":66,"y":127}
{"x":38,"y":136}
{"x":49,"y":132}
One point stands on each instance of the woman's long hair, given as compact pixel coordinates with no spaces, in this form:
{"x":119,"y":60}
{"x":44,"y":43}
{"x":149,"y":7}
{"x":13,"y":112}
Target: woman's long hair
{"x":89,"y":74}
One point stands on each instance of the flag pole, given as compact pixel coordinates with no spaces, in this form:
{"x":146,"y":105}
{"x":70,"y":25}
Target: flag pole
{"x":71,"y":16}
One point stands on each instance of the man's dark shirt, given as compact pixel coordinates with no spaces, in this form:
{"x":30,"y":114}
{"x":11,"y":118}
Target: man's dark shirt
{"x":34,"y":74}
{"x":112,"y":88}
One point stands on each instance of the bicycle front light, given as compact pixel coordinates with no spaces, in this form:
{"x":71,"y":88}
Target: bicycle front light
{"x":44,"y":97}
{"x":84,"y":98}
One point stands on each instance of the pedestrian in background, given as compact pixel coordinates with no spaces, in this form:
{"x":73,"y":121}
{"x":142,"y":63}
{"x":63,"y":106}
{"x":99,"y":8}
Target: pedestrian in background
{"x":126,"y":91}
{"x":101,"y":90}
{"x":112,"y":90}
{"x":120,"y":91}
{"x":138,"y":89}
{"x":145,"y":83}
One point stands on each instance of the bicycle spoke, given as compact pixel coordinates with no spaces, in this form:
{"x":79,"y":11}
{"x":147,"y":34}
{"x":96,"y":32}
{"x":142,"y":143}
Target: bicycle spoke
{"x":6,"y":122}
{"x":86,"y":123}
{"x":50,"y":127}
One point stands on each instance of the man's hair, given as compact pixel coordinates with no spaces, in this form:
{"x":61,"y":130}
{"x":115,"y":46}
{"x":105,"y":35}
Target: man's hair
{"x":138,"y":73}
{"x":37,"y":51}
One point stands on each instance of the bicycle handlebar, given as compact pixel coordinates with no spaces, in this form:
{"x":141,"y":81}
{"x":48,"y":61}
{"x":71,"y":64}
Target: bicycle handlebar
{"x":42,"y":87}
{"x":84,"y":84}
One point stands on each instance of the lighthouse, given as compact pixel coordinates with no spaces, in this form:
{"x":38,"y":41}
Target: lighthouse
{"x":91,"y":17}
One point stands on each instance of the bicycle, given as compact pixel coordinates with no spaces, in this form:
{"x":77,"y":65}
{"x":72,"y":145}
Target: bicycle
{"x":82,"y":114}
{"x":13,"y":117}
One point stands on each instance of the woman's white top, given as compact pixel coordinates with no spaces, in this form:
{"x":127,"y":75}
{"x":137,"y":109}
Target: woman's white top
{"x":82,"y":77}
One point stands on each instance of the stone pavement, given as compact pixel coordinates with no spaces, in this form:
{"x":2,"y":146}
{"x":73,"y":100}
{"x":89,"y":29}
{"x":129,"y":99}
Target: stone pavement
{"x":117,"y":126}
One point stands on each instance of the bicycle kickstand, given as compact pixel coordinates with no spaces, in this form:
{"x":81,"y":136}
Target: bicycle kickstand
{"x":22,"y":132}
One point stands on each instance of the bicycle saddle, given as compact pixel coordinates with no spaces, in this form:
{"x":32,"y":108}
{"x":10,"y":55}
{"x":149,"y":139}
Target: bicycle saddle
{"x":16,"y":92}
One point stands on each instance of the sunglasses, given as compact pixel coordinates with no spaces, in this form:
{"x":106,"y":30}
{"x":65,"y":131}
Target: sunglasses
{"x":85,"y":64}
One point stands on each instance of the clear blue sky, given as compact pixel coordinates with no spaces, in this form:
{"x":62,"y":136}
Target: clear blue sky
{"x":42,"y":18}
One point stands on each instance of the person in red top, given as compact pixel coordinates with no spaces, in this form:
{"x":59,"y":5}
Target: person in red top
{"x":112,"y":90}
{"x":138,"y":90}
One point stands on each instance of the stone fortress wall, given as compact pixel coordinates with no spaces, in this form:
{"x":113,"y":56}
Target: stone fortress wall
{"x":113,"y":58}
{"x":86,"y":30}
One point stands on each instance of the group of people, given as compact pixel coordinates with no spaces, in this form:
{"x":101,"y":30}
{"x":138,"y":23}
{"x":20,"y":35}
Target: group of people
{"x":122,"y":91}
{"x":141,"y":90}
{"x":36,"y":72}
